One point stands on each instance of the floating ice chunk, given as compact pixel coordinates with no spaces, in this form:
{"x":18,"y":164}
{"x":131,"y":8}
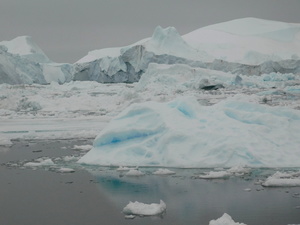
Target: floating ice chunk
{"x":40,"y":162}
{"x":214,"y":175}
{"x":123,"y":168}
{"x":134,"y":173}
{"x":142,"y":209}
{"x":70,"y":158}
{"x":65,"y":170}
{"x":163,"y":172}
{"x":83,"y":147}
{"x":5,"y":141}
{"x":280,"y":179}
{"x":247,"y":189}
{"x":239,"y":170}
{"x":225,"y":220}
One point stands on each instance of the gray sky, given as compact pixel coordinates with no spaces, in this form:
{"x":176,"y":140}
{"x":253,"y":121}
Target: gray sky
{"x":67,"y":29}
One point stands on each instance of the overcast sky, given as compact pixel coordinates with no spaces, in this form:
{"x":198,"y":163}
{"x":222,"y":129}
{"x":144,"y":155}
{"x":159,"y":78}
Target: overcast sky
{"x":67,"y":29}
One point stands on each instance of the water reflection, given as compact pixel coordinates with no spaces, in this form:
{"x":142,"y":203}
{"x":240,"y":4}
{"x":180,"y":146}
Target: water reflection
{"x":197,"y":201}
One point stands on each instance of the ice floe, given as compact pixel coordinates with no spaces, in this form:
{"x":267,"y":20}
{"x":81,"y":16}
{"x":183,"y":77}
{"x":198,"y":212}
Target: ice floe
{"x":142,"y":209}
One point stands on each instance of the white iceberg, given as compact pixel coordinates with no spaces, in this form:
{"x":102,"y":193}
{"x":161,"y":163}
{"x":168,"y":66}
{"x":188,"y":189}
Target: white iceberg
{"x":248,"y":40}
{"x":182,"y":133}
{"x":163,"y":172}
{"x":225,"y":220}
{"x":283,"y":179}
{"x":142,"y":209}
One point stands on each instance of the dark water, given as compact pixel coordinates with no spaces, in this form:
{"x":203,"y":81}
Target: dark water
{"x":94,"y":195}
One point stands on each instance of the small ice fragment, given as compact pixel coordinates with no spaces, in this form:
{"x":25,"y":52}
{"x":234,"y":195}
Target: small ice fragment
{"x":247,"y":189}
{"x":239,"y":170}
{"x":163,"y":172}
{"x":225,"y":220}
{"x":123,"y":168}
{"x":41,"y":162}
{"x":66,"y":170}
{"x":214,"y":175}
{"x":129,"y":216}
{"x":83,"y":147}
{"x":69,"y":158}
{"x":142,"y":209}
{"x":134,"y":173}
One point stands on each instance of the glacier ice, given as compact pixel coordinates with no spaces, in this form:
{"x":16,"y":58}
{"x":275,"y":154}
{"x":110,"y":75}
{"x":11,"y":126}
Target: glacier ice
{"x":182,"y":133}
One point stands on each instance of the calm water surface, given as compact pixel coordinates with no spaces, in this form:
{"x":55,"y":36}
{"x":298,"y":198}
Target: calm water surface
{"x":97,"y":195}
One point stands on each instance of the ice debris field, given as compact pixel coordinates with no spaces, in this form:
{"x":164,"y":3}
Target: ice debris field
{"x":204,"y":99}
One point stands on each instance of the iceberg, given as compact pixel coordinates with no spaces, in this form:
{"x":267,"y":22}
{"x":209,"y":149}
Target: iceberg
{"x":127,"y":64}
{"x":249,"y":41}
{"x":23,"y":62}
{"x":183,"y":133}
{"x":264,"y":47}
{"x":225,"y":220}
{"x":279,"y":179}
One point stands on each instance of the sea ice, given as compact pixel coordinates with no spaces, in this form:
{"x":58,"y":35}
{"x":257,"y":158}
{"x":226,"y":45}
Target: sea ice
{"x":142,"y":209}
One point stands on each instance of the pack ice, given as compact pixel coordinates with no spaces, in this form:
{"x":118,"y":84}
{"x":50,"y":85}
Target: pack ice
{"x":183,"y":133}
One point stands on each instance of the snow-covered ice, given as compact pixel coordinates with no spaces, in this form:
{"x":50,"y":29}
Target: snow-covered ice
{"x":225,"y":220}
{"x":142,"y":209}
